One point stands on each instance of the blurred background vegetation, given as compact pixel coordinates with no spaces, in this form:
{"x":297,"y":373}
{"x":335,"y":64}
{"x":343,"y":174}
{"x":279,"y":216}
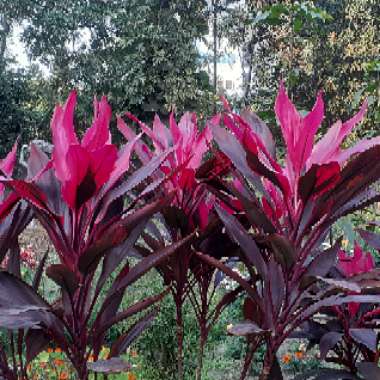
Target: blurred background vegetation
{"x":145,"y":56}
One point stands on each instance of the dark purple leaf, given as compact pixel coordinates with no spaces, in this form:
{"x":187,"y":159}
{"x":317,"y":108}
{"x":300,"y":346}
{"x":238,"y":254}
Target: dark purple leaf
{"x":275,"y":372}
{"x":148,"y":263}
{"x":342,"y":284}
{"x":232,"y":274}
{"x":123,"y":342}
{"x":39,"y":271}
{"x":369,"y":370}
{"x":283,"y":250}
{"x":14,"y":264}
{"x":63,"y":277}
{"x":230,"y":146}
{"x":277,"y":285}
{"x":318,"y":180}
{"x":370,"y":238}
{"x":36,"y":341}
{"x":105,"y":324}
{"x":328,"y":342}
{"x":226,"y":300}
{"x":117,"y":254}
{"x":242,"y":238}
{"x":136,"y":178}
{"x":19,"y":301}
{"x":367,"y":337}
{"x":245,"y":328}
{"x":112,"y":365}
{"x":321,"y":265}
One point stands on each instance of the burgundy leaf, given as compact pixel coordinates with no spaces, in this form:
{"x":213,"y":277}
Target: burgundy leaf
{"x":39,"y":271}
{"x":105,"y":324}
{"x":20,"y":305}
{"x":275,"y":372}
{"x":370,"y":238}
{"x":148,"y":263}
{"x":367,"y":337}
{"x":245,"y":328}
{"x":242,"y":238}
{"x":232,"y":274}
{"x":283,"y":250}
{"x":36,"y":341}
{"x":328,"y":342}
{"x":121,"y":345}
{"x":342,"y":284}
{"x":136,"y":178}
{"x":369,"y":370}
{"x":14,"y":263}
{"x":117,"y":254}
{"x":235,"y":152}
{"x":63,"y":277}
{"x":324,"y":261}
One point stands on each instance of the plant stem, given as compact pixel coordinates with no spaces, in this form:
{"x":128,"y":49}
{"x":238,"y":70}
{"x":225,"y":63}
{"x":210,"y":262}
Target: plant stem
{"x":247,"y":361}
{"x":202,"y":343}
{"x":179,"y":340}
{"x":267,"y":365}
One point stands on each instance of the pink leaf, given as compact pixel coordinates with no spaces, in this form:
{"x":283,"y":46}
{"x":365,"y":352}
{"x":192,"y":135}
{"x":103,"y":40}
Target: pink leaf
{"x":78,"y":164}
{"x":7,"y":164}
{"x":98,"y":135}
{"x":63,"y":135}
{"x":161,"y":136}
{"x":328,"y":147}
{"x":359,"y":147}
{"x":298,"y":132}
{"x":141,"y":149}
{"x":103,"y":163}
{"x":122,"y":163}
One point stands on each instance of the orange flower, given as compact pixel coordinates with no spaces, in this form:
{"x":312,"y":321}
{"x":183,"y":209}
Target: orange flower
{"x":63,"y":376}
{"x":58,"y":362}
{"x":287,"y":358}
{"x":132,"y":376}
{"x":91,"y":358}
{"x":299,"y":355}
{"x":58,"y":350}
{"x":134,"y":354}
{"x":49,"y":350}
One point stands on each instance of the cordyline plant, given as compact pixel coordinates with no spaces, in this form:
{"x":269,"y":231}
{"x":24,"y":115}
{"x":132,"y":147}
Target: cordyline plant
{"x":14,"y":217}
{"x":347,"y":334}
{"x":287,"y":211}
{"x":78,"y":197}
{"x":189,"y":211}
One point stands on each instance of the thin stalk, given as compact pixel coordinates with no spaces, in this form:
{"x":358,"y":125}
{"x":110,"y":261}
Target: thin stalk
{"x":180,"y":334}
{"x":202,"y":343}
{"x":268,"y":363}
{"x":251,"y":349}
